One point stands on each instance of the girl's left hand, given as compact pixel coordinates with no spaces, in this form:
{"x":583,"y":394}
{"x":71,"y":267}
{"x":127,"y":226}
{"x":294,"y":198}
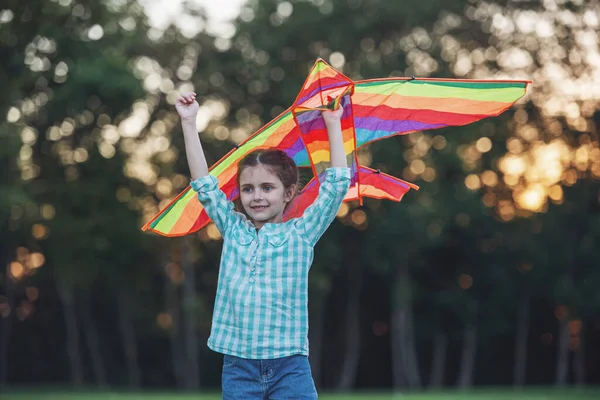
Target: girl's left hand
{"x":187,"y":106}
{"x":333,"y":116}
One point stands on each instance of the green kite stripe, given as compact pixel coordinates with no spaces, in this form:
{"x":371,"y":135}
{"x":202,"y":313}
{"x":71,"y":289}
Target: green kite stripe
{"x":506,"y":93}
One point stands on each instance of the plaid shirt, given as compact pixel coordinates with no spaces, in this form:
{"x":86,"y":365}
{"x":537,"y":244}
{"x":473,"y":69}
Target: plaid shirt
{"x":261,"y":308}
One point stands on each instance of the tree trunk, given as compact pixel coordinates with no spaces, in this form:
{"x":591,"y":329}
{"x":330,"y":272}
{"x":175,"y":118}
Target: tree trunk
{"x":405,"y":368}
{"x":316,"y":334}
{"x":130,"y":346}
{"x":190,"y":302}
{"x":173,"y":308}
{"x":562,"y":354}
{"x":72,"y":338}
{"x":352,"y":328}
{"x":399,"y":378}
{"x":93,"y":344}
{"x":579,"y":360}
{"x":5,"y":333}
{"x":440,"y":346}
{"x":564,"y":334}
{"x":520,"y":367}
{"x":467,"y":364}
{"x":410,"y":359}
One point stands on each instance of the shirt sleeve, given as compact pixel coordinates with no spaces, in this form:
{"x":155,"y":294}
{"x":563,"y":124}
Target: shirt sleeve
{"x":219,"y":209}
{"x":319,"y":215}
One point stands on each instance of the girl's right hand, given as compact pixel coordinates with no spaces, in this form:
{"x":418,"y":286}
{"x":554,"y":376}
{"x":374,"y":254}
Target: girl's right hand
{"x":187,"y":106}
{"x":333,"y":116}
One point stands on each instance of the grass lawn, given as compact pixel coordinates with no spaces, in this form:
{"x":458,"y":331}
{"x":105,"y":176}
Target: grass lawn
{"x":536,"y":394}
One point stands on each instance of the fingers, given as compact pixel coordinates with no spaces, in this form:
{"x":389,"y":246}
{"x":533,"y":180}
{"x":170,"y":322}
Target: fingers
{"x":340,"y":109}
{"x":333,"y":113}
{"x":187,"y":98}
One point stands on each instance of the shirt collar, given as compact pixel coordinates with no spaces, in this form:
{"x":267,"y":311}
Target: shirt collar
{"x":268,"y":229}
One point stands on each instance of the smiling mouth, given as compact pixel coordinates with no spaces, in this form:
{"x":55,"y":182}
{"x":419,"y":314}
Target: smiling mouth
{"x":259,"y":208}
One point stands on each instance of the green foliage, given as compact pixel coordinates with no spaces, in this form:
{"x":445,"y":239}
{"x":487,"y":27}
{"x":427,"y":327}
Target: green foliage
{"x":456,"y":249}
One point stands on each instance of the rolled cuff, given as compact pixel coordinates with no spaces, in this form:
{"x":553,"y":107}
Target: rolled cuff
{"x":337,"y":174}
{"x":205,"y":184}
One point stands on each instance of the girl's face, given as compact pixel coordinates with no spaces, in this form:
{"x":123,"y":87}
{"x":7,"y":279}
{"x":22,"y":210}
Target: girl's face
{"x":263,"y":195}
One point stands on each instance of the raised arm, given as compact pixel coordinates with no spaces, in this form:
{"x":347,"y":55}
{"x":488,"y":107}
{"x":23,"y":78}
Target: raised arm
{"x":319,"y":215}
{"x":215,"y":203}
{"x":336,"y":142}
{"x":187,"y":107}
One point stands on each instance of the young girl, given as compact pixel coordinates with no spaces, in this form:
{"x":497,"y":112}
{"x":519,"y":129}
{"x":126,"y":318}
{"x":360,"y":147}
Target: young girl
{"x":260,"y":318}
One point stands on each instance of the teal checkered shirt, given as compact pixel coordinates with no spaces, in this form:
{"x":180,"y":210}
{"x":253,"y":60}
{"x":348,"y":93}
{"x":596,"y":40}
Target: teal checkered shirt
{"x":261,"y":308}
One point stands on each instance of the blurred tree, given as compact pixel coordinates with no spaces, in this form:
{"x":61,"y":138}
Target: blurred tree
{"x":502,"y":233}
{"x":13,"y":198}
{"x":69,"y":78}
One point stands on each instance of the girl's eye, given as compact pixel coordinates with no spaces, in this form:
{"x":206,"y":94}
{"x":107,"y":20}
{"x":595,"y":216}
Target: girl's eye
{"x":246,"y":190}
{"x":268,"y":188}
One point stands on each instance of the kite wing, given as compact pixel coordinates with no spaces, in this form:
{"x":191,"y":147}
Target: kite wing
{"x":397,"y":106}
{"x":185,"y":214}
{"x":373,"y":183}
{"x":374,"y":109}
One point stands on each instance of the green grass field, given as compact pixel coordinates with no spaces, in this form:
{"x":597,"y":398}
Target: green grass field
{"x":541,"y":394}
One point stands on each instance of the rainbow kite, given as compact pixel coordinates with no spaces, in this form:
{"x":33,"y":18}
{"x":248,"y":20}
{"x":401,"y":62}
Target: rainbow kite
{"x":374,"y":109}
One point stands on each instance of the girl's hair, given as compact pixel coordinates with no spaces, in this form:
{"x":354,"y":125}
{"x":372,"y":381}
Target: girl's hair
{"x":278,"y":162}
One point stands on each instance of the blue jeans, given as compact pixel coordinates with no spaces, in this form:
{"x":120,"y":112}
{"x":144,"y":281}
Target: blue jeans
{"x":280,"y":378}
